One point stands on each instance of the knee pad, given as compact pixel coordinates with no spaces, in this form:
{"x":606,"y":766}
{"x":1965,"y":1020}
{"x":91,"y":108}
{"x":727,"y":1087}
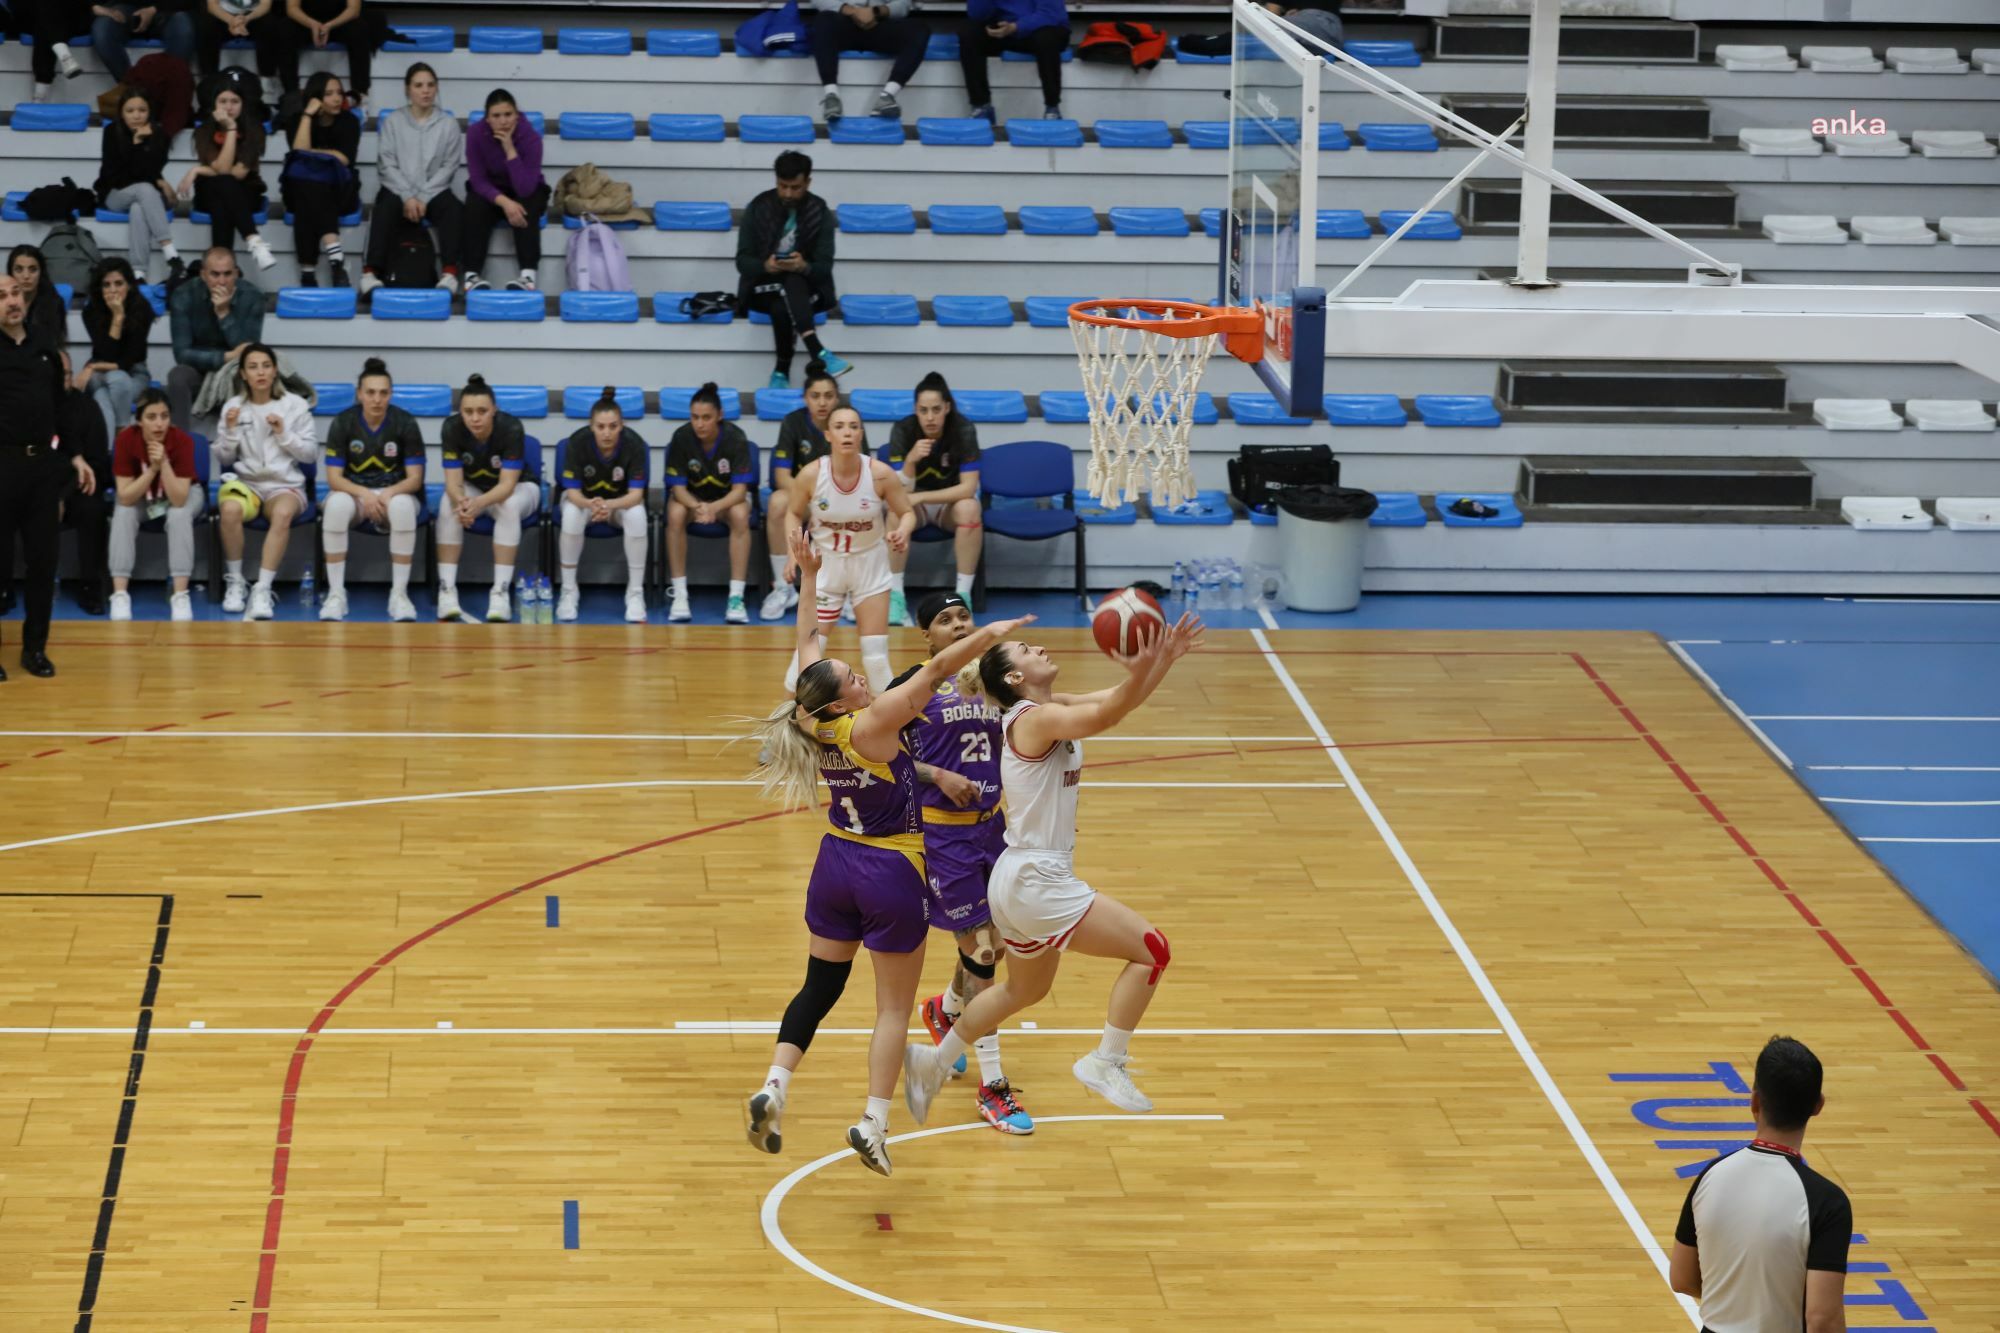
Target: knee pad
{"x":633,"y":520}
{"x":403,"y":513}
{"x":815,"y":1000}
{"x":980,"y":964}
{"x":1156,"y":945}
{"x":574,"y":519}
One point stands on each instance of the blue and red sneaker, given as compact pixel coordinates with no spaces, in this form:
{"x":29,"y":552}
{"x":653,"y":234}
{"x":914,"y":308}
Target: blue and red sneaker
{"x":937,"y":1022}
{"x":1002,"y":1109}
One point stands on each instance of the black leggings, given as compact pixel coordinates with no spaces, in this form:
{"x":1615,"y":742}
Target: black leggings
{"x":481,"y":218}
{"x":50,"y":21}
{"x":315,"y":213}
{"x":295,"y":38}
{"x":903,"y":40}
{"x":1046,"y":45}
{"x":265,"y":34}
{"x":386,"y":228}
{"x":791,"y":310}
{"x":231,"y":205}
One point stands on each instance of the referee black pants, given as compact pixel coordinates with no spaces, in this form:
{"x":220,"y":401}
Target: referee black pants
{"x":32,"y":482}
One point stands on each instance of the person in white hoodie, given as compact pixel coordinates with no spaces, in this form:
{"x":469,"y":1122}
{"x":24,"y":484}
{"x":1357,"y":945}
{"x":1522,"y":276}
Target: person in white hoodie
{"x":419,"y":151}
{"x":267,"y":440}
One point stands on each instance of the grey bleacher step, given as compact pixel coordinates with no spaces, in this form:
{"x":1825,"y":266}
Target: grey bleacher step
{"x":1694,"y":388}
{"x":1674,"y":119}
{"x":1591,"y":481}
{"x":1670,"y":204}
{"x":1488,"y":37}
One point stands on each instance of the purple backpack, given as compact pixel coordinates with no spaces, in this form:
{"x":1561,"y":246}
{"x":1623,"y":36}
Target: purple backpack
{"x":596,"y":259}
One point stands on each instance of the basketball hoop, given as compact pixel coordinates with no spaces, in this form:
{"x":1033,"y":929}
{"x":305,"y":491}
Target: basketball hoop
{"x":1142,"y":363}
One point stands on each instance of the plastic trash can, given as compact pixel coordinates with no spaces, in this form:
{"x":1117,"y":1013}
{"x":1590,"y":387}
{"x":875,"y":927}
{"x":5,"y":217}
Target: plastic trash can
{"x":1322,"y":534}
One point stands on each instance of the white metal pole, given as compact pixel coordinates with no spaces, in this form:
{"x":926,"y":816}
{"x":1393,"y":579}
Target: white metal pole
{"x":1532,"y":266}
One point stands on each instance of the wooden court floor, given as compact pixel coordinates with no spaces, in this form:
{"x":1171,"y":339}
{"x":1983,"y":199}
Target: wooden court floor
{"x":450,"y":956}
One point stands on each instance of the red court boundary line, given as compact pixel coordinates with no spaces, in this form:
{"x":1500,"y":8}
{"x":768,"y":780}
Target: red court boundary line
{"x":1770,"y":873}
{"x":281,"y":1153}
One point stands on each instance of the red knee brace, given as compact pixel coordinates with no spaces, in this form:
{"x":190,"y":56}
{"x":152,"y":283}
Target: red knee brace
{"x":1156,"y":945}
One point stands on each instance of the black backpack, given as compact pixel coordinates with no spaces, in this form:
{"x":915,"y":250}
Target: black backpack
{"x":414,"y":263}
{"x":58,"y":203}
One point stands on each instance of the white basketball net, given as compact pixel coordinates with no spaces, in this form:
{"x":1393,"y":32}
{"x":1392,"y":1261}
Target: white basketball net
{"x":1139,"y":385}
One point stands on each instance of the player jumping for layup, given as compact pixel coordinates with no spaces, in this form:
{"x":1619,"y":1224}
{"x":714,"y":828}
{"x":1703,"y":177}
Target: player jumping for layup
{"x":1040,"y":905}
{"x":867,"y":883}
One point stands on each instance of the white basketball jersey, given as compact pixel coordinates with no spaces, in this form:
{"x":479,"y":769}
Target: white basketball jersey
{"x":847,"y":522}
{"x":1041,"y":793}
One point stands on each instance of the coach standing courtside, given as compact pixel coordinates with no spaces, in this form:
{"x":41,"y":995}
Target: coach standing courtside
{"x":34,"y":472}
{"x":1762,"y":1240}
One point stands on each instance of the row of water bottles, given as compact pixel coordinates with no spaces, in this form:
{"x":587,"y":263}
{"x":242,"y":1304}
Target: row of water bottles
{"x":534,"y":601}
{"x":1222,"y":585}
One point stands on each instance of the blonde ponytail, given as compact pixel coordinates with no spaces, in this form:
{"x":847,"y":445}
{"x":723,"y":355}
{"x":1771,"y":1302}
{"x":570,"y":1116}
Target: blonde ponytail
{"x":787,"y":759}
{"x":968,"y":680}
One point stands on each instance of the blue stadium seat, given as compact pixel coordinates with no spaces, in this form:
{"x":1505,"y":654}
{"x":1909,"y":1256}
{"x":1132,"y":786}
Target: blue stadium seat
{"x":260,"y":217}
{"x":1433,"y":226}
{"x":1032,"y":470}
{"x":1211,"y":221}
{"x":976,"y":312}
{"x":600,"y":307}
{"x":1205,"y":413}
{"x":1343,"y":224}
{"x":1215,"y":133}
{"x":865,"y":129}
{"x":492,"y":305}
{"x":691,"y":215}
{"x":1333,"y":137}
{"x":674,"y":404}
{"x":1252,"y":49}
{"x":51,"y":117}
{"x":955,"y":131}
{"x":573,"y":223}
{"x":113,"y":215}
{"x":1058,"y":220}
{"x":498,"y":41}
{"x":615,"y":126}
{"x":530,"y":402}
{"x":423,"y":400}
{"x":1508,"y":517}
{"x":1206,"y":133}
{"x":1096,"y":513}
{"x":156,"y":297}
{"x":682,"y":42}
{"x":321,"y":302}
{"x":594,"y":41}
{"x":664,"y":128}
{"x":1023,"y":133}
{"x":1379,"y":137}
{"x":775,"y":404}
{"x":330,"y":400}
{"x":862,"y":219}
{"x":1134,"y":134}
{"x":1457,"y":409}
{"x":942,"y":46}
{"x":538,"y":119}
{"x":1064,"y":406}
{"x":968,"y":220}
{"x":578,"y":399}
{"x":420,"y":37}
{"x":856,"y":308}
{"x":1192,"y":58}
{"x":762,"y":318}
{"x":1208,"y":509}
{"x":1023,"y":57}
{"x":1148,"y":222}
{"x":1050,"y":312}
{"x":1260,"y":409}
{"x":1398,"y":509}
{"x":775,"y":129}
{"x":1365,"y":409}
{"x":347,"y":219}
{"x":1390,"y":55}
{"x":433,"y":303}
{"x":667,"y":310}
{"x":991,"y":406}
{"x":883,"y":404}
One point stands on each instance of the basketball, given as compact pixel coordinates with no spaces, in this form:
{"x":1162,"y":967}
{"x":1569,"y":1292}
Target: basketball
{"x":1124,"y":621}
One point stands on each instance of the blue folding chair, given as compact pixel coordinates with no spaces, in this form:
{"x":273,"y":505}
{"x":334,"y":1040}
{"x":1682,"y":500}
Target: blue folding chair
{"x":1031,"y":470}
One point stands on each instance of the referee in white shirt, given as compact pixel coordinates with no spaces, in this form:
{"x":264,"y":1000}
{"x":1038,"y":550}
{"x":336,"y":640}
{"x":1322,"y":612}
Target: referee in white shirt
{"x":1762,"y":1240}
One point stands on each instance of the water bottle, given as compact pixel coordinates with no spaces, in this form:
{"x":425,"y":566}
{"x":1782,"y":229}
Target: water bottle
{"x":524,"y":600}
{"x":1180,"y":582}
{"x":1211,"y":587}
{"x":1193,"y":603}
{"x":545,"y":602}
{"x":307,"y":599}
{"x":1237,"y":600}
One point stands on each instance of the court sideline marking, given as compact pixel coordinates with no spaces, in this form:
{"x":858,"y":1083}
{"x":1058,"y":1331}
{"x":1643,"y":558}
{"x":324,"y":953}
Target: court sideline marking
{"x":1470,"y":962}
{"x":1687,"y":660}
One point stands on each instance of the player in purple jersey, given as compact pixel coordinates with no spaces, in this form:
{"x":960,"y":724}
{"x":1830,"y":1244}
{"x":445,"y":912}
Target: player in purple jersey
{"x":957,"y":748}
{"x":867,"y":885}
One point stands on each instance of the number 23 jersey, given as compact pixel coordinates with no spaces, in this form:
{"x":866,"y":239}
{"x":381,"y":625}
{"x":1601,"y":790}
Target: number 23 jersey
{"x":961,"y":733}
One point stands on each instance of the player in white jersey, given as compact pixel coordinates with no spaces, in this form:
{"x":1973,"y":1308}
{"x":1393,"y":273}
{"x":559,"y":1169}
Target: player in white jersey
{"x":1039,"y":904}
{"x":846,"y":501}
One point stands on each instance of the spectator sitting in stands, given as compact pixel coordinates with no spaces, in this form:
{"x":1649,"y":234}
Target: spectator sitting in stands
{"x":888,"y":29}
{"x":785,"y":258}
{"x":265,"y":441}
{"x":1321,"y":18}
{"x":132,"y":179}
{"x":320,"y":185}
{"x":418,"y":152}
{"x":604,"y":481}
{"x":312,"y":24}
{"x":710,"y":479}
{"x":374,"y":474}
{"x":503,"y":179}
{"x":937,"y":451}
{"x":224,"y":182}
{"x":153,"y":465}
{"x":261,"y":21}
{"x":48,"y":319}
{"x":1039,"y":28}
{"x":119,"y":21}
{"x":117,"y":317}
{"x":51,"y":23}
{"x":213,"y":322}
{"x":485,"y":454}
{"x":801,"y":440}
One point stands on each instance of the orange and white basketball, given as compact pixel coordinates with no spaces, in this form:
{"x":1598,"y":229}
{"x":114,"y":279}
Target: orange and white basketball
{"x":1123,"y":622}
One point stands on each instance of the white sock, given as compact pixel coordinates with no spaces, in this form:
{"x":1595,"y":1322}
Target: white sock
{"x":447,"y":576}
{"x":235,"y":568}
{"x":895,"y":582}
{"x":736,"y":587}
{"x":265,"y":576}
{"x":168,"y":251}
{"x":831,"y":88}
{"x":569,"y":578}
{"x":635,"y":560}
{"x":779,"y":1077}
{"x":1111,"y":1046}
{"x":987,"y":1048}
{"x":777,"y":569}
{"x":503,"y":576}
{"x":954,"y":1003}
{"x":336,"y":577}
{"x":892,"y":87}
{"x":951,"y":1048}
{"x":965,"y":582}
{"x":878,"y":1111}
{"x":875,"y":660}
{"x":335,"y":254}
{"x":681,"y":586}
{"x":399,"y":579}
{"x":60,"y":50}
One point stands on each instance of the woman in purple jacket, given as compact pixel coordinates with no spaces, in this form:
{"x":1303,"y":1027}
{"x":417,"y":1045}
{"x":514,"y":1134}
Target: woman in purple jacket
{"x":1036,"y":27}
{"x":503,"y":182}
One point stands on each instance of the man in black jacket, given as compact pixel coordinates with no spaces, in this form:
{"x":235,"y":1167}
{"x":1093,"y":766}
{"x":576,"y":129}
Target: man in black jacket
{"x":785,"y":258}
